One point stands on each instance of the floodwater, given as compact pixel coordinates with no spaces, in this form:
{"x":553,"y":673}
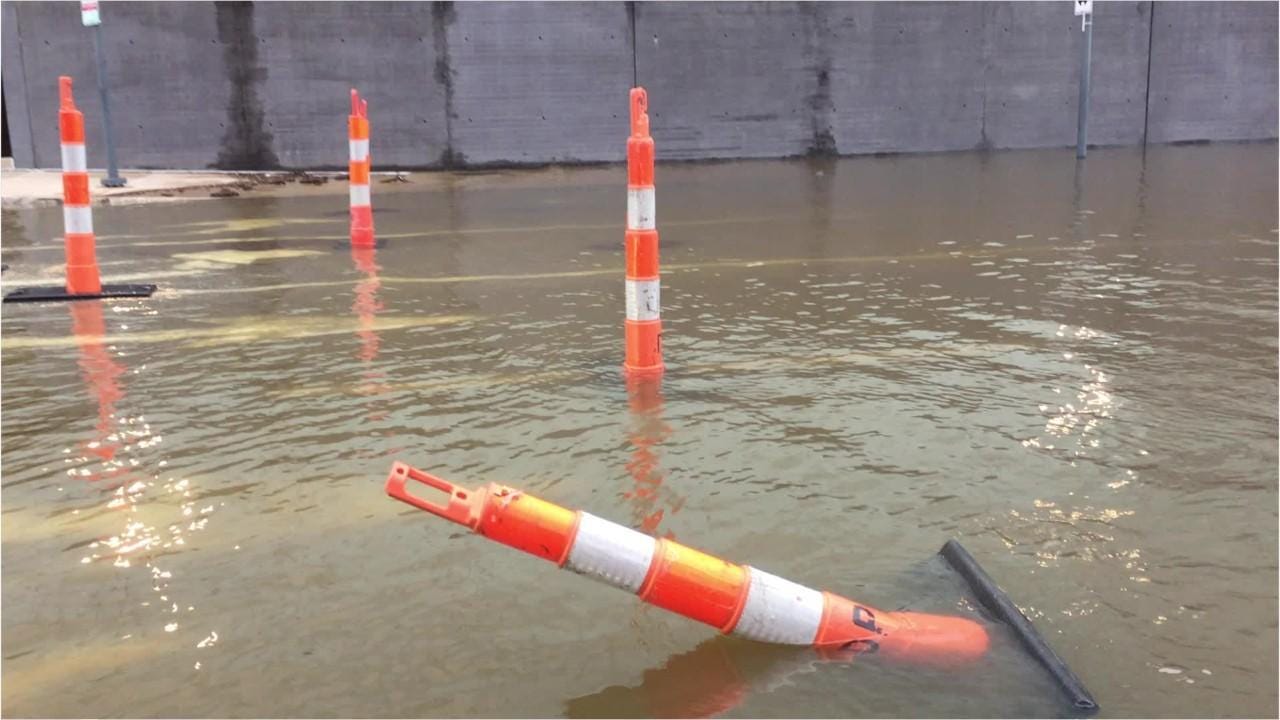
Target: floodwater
{"x":1072,"y":369}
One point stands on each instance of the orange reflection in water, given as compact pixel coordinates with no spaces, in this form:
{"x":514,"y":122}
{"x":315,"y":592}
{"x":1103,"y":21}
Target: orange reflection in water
{"x":650,"y":498}
{"x":367,"y":304}
{"x":101,"y":374}
{"x":150,"y":527}
{"x":366,"y":308}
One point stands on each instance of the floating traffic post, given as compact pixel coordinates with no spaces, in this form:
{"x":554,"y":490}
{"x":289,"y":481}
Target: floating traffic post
{"x":358,"y":172}
{"x":83,"y":281}
{"x":735,"y":599}
{"x":644,"y":315}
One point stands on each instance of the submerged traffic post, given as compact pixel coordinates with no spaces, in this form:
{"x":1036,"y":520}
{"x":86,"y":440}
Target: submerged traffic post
{"x":734,"y":599}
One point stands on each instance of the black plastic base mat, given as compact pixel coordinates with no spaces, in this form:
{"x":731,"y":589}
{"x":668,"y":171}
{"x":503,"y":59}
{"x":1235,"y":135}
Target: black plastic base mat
{"x":996,"y":602}
{"x":55,"y":293}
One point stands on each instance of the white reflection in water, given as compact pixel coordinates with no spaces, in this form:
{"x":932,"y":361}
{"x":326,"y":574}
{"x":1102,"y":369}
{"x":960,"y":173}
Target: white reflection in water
{"x":143,"y":505}
{"x":1074,"y":420}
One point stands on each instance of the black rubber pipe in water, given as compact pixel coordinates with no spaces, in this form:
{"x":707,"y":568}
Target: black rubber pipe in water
{"x":998,"y":604}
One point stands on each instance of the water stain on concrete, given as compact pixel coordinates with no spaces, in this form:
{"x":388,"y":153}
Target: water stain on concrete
{"x":442,"y":16}
{"x":247,"y":143}
{"x":819,"y":103}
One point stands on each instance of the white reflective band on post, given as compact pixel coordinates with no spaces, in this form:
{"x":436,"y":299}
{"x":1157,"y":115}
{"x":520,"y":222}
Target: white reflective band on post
{"x":643,"y":301}
{"x":642,"y":214}
{"x":77,"y":219}
{"x":612,"y":553}
{"x":779,"y":611}
{"x":359,"y":149}
{"x":73,"y":158}
{"x":359,"y":195}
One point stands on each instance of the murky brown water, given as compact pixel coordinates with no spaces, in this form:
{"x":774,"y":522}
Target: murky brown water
{"x":1075,"y":374}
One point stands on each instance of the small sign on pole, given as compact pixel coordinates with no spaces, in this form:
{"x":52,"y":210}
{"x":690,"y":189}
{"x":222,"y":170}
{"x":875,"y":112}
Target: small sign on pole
{"x":89,"y":13}
{"x":1084,"y":10}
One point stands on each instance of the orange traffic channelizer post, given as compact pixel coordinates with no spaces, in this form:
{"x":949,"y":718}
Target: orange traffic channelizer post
{"x":358,"y":169}
{"x":644,"y":307}
{"x":735,"y":599}
{"x":83,"y":281}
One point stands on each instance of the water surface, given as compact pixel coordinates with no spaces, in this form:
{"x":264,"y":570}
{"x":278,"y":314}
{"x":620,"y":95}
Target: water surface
{"x":1071,"y":368}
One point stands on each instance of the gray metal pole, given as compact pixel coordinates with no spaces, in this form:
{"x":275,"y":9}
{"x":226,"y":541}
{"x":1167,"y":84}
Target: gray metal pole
{"x":1082,"y":116}
{"x":113,"y":178}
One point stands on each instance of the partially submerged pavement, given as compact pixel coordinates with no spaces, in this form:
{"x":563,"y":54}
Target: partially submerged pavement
{"x":43,"y":188}
{"x":34,"y":188}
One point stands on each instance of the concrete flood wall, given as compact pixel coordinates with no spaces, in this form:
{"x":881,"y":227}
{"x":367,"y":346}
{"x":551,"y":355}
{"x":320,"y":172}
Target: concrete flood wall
{"x":241,"y":85}
{"x":1211,"y":67}
{"x":886,"y":77}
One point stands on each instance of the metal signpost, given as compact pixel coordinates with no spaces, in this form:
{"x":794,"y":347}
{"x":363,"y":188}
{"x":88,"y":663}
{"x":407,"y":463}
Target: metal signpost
{"x":90,"y":17}
{"x":1084,"y":8}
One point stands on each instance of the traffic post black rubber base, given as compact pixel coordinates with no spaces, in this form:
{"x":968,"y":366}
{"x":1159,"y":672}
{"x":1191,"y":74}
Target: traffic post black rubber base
{"x":53,"y":293}
{"x":999,"y":605}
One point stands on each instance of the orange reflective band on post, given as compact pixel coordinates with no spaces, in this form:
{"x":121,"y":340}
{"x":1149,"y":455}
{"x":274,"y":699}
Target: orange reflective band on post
{"x":497,"y":512}
{"x":526,"y":523}
{"x":696,"y":585}
{"x":75,"y":188}
{"x":359,"y":173}
{"x":640,"y":162}
{"x":83,"y":280}
{"x":644,"y":346}
{"x":80,"y":250}
{"x":642,"y":254}
{"x":71,"y":126}
{"x":357,"y":127}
